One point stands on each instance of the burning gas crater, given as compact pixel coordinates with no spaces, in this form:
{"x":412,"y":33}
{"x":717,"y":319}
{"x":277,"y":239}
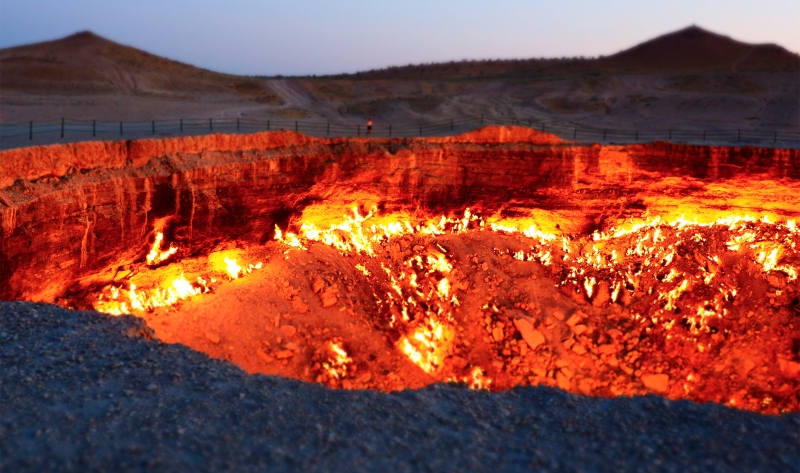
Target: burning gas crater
{"x":706,"y":311}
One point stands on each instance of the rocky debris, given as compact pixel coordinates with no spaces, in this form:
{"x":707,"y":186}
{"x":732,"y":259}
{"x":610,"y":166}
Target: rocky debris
{"x":264,"y":357}
{"x":299,"y":306}
{"x":212,"y":336}
{"x":80,"y":395}
{"x":288,"y":331}
{"x":330,"y":296}
{"x":532,"y":337}
{"x":656,"y":382}
{"x":283,"y":354}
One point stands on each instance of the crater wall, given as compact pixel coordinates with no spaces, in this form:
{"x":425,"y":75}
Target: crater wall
{"x":75,"y":212}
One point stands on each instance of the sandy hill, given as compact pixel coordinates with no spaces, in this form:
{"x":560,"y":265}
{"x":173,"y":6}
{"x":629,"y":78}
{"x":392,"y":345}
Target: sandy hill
{"x":692,"y":49}
{"x":85,"y":63}
{"x":690,"y":78}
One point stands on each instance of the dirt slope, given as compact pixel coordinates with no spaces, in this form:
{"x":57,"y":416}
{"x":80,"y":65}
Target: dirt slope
{"x":87,"y":63}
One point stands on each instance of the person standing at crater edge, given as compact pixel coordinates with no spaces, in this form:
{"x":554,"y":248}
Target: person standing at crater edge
{"x":369,"y":126}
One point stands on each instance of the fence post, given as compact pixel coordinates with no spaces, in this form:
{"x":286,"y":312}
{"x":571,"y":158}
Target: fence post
{"x":154,"y":127}
{"x":451,"y":125}
{"x":575,"y":133}
{"x":237,"y":124}
{"x":295,"y":127}
{"x":738,"y":135}
{"x":542,"y":127}
{"x":358,"y":130}
{"x":181,"y":125}
{"x":670,"y":135}
{"x":62,"y":127}
{"x":94,"y":127}
{"x":481,"y":119}
{"x":774,"y":138}
{"x":704,"y":135}
{"x":420,"y":129}
{"x":210,"y":124}
{"x":390,"y":130}
{"x":267,"y":125}
{"x":604,"y":134}
{"x":637,"y":136}
{"x":328,"y":130}
{"x":31,"y":129}
{"x":120,"y":128}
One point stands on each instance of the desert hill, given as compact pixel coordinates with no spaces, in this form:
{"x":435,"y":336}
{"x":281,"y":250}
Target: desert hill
{"x":688,"y":79}
{"x":690,"y":50}
{"x":85,"y":63}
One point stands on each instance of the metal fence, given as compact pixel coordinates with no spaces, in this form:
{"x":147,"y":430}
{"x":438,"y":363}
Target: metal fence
{"x":15,"y":135}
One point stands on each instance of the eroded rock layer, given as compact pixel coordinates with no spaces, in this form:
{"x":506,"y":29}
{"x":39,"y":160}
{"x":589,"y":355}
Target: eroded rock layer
{"x":70,"y":211}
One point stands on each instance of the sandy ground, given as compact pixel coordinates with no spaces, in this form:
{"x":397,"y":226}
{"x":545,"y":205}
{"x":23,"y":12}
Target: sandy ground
{"x":690,"y":80}
{"x":654,"y":102}
{"x":84,"y":392}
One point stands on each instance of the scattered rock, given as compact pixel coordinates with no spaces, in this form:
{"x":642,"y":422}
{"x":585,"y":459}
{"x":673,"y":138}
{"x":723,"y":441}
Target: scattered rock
{"x":497,"y":333}
{"x":283,"y":354}
{"x":299,"y":306}
{"x":264,"y":357}
{"x":656,"y":382}
{"x":606,"y":349}
{"x":365,"y":378}
{"x":288,"y":330}
{"x":458,"y":362}
{"x":318,"y":285}
{"x":532,"y":337}
{"x":625,"y":297}
{"x":791,"y":368}
{"x":575,"y":318}
{"x":330,"y":296}
{"x":563,"y":381}
{"x":776,"y":280}
{"x":213,"y":337}
{"x":602,"y":294}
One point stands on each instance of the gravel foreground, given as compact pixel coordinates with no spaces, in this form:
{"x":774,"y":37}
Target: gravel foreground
{"x":81,"y":391}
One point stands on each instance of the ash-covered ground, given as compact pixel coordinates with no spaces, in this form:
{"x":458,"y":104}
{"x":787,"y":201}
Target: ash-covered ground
{"x":82,"y":391}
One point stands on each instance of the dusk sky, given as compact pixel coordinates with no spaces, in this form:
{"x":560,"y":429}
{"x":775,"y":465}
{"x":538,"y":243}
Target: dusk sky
{"x":320,"y":37}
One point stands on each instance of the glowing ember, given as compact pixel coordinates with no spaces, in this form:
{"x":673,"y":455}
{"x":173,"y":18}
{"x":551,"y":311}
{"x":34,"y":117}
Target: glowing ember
{"x":233,"y":268}
{"x":337,"y":365}
{"x":163,"y":291}
{"x":646,"y":289}
{"x":178,"y":289}
{"x":478,"y":380}
{"x":428,"y":345}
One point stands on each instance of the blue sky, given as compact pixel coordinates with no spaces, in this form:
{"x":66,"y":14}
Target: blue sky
{"x":320,"y":37}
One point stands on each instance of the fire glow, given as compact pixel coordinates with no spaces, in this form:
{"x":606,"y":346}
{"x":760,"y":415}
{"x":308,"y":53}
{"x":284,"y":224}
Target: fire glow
{"x":669,"y":276}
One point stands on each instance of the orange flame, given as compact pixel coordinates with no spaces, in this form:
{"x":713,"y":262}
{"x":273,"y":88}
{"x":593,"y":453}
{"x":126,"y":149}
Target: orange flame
{"x":155,"y":255}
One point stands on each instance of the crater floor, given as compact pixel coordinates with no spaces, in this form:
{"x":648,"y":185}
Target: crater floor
{"x":686,"y":310}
